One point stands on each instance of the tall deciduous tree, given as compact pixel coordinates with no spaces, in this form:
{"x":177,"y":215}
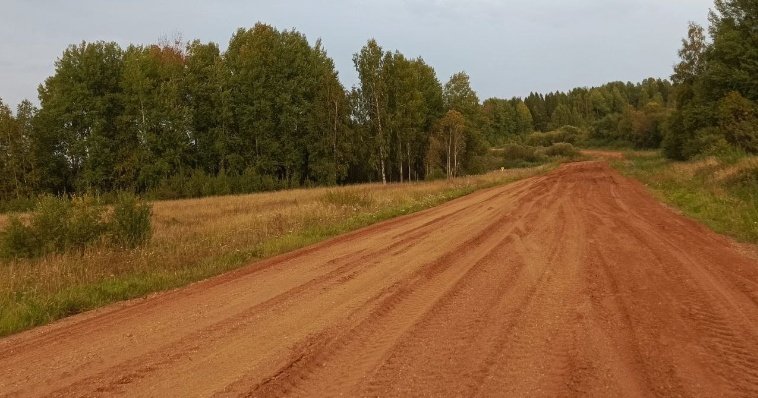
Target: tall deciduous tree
{"x":372,"y":94}
{"x":523,"y":117}
{"x":716,"y":84}
{"x":10,"y":175}
{"x":206,"y":90}
{"x":289,"y":108}
{"x":155,"y":117}
{"x":81,"y":105}
{"x":331,"y":144}
{"x":459,"y":96}
{"x":451,"y":132}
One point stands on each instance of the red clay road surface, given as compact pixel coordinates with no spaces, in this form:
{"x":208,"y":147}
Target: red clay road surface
{"x":573,"y":283}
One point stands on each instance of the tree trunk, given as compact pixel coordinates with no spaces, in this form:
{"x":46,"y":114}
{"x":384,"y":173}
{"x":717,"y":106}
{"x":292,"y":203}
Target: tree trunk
{"x":380,"y":137}
{"x":400,"y":158}
{"x":381,"y":161}
{"x":455,"y":163}
{"x":14,"y":164}
{"x":334,"y":139}
{"x":449,"y":149}
{"x":408,"y":148}
{"x":455,"y":155}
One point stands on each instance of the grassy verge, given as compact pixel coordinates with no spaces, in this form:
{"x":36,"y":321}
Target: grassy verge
{"x":722,"y":193}
{"x":195,"y":239}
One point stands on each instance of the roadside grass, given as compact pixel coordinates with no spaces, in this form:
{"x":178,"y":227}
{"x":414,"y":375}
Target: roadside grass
{"x":720,"y":192}
{"x":194,"y":239}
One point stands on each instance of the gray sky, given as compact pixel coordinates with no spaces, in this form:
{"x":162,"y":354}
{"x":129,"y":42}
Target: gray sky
{"x":509,"y":48}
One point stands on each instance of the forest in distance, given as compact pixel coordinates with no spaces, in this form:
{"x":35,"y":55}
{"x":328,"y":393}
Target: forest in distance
{"x":270,"y":112}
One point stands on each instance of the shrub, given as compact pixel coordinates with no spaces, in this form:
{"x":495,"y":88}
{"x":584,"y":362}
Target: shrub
{"x":673,"y":142}
{"x":574,"y":132}
{"x":561,"y":149}
{"x":520,"y":152}
{"x":85,"y":224}
{"x":49,"y":223}
{"x":484,"y":163}
{"x":197,"y":183}
{"x":538,"y":139}
{"x":18,"y":240}
{"x":130,"y":222}
{"x":738,"y":119}
{"x":517,"y":155}
{"x":570,"y":134}
{"x":706,"y":141}
{"x":60,"y":224}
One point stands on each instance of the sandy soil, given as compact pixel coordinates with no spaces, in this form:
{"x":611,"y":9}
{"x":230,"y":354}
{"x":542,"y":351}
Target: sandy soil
{"x":573,"y":283}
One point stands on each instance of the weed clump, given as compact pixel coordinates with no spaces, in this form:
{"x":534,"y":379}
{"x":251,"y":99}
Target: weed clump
{"x":561,"y":149}
{"x":60,"y":224}
{"x":19,"y":240}
{"x":517,"y":155}
{"x":129,"y":225}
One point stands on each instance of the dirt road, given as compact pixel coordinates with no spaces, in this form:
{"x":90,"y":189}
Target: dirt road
{"x":573,"y":283}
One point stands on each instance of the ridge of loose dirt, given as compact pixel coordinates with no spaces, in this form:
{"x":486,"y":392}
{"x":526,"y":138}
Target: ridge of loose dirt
{"x":573,"y":283}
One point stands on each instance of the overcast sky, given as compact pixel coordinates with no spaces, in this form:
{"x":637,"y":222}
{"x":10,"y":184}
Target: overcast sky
{"x":509,"y":48}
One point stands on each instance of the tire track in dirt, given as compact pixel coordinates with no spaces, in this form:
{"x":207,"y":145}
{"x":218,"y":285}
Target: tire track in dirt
{"x":573,"y":283}
{"x":381,"y":329}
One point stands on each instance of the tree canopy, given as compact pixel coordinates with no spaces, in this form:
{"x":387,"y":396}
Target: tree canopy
{"x":177,"y":118}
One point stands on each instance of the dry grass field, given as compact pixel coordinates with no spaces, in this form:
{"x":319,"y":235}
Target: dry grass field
{"x":198,"y":238}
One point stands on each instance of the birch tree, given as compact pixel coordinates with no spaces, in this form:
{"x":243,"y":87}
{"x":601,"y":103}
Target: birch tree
{"x":370,"y":65}
{"x":451,"y":131}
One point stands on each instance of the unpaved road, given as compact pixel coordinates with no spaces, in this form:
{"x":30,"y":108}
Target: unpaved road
{"x":573,"y":283}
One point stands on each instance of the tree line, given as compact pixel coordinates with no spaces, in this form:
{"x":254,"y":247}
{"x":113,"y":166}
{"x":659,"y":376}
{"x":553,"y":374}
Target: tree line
{"x":716,"y":85}
{"x":709,"y":107}
{"x":177,"y":119}
{"x":614,"y":113}
{"x":268,"y":112}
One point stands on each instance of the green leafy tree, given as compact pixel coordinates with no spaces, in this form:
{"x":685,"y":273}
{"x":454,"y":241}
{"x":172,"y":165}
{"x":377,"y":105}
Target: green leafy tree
{"x":731,"y":59}
{"x":459,"y":96}
{"x":738,"y":120}
{"x":564,"y":115}
{"x":372,"y":97}
{"x":431,"y":110}
{"x":206,"y":91}
{"x":156,"y":120}
{"x":499,"y":121}
{"x":289,"y":109}
{"x":715,"y":84}
{"x":331,"y":145}
{"x":10,"y":176}
{"x":523,"y":118}
{"x":81,"y":105}
{"x":451,"y":134}
{"x":537,"y":106}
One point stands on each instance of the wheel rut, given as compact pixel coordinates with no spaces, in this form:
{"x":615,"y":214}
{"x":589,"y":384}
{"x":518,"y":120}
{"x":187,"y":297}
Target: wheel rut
{"x":575,"y":283}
